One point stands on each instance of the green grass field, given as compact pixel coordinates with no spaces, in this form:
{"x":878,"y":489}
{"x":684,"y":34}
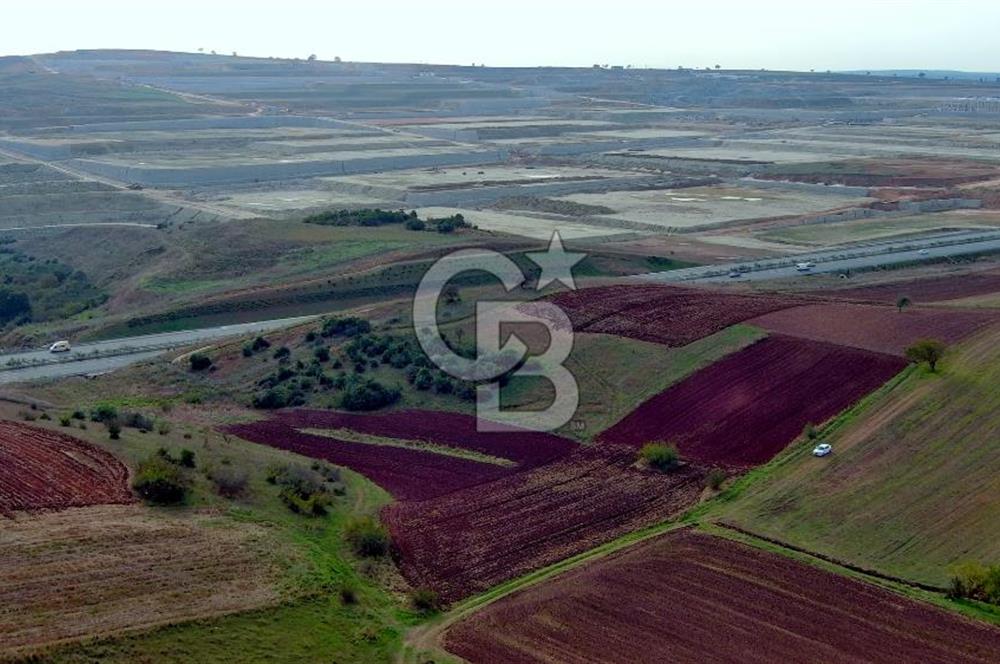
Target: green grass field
{"x":872,"y":229}
{"x":913,"y":484}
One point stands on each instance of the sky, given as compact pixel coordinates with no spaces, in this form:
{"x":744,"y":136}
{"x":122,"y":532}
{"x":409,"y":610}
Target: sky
{"x":752,"y":34}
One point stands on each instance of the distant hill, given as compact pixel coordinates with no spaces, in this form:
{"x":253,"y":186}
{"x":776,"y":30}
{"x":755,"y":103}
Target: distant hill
{"x":931,"y":73}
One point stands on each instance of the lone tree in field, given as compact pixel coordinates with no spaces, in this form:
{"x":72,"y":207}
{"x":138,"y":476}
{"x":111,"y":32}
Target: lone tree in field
{"x":903,"y":302}
{"x":926,"y":350}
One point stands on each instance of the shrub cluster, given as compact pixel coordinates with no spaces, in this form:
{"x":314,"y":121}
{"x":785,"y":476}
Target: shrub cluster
{"x":364,"y":217}
{"x":348,"y":326}
{"x":976,"y":581}
{"x":200,"y":362}
{"x":378,"y":217}
{"x":161,"y":482}
{"x":306,"y":490}
{"x":367,"y":537}
{"x":659,"y":456}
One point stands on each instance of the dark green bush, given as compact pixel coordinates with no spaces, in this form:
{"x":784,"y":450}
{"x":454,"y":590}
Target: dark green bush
{"x":200,"y":362}
{"x":348,"y":326}
{"x":426,"y":600}
{"x":160,"y":482}
{"x":367,"y":537}
{"x":363,"y":395}
{"x":659,"y":456}
{"x":103,"y":412}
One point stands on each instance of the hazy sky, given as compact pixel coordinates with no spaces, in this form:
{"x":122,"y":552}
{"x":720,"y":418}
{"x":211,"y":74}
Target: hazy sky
{"x":834,"y":34}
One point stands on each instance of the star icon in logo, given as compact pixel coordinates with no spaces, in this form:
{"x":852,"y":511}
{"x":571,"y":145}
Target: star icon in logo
{"x":556,"y":264}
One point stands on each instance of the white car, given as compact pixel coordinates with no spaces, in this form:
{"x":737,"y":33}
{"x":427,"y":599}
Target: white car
{"x":822,"y":449}
{"x":59,"y":347}
{"x":923,"y":252}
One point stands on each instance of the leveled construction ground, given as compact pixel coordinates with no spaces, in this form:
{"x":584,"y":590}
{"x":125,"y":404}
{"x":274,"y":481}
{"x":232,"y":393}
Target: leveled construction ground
{"x":42,"y":469}
{"x":94,"y":571}
{"x":913,"y":485}
{"x":36,"y":196}
{"x":748,"y":406}
{"x":690,"y":597}
{"x":698,"y":207}
{"x":883,"y":329}
{"x":397,"y":184}
{"x":470,"y":540}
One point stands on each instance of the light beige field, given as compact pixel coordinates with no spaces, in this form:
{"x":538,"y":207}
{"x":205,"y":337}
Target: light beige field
{"x":698,"y":207}
{"x":95,"y":571}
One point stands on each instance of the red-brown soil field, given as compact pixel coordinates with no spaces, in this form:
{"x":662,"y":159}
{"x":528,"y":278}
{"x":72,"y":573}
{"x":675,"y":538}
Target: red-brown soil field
{"x":690,"y":597}
{"x":42,"y":469}
{"x":669,"y":315}
{"x":408,"y":474}
{"x":929,"y":289}
{"x":883,"y":329}
{"x":473,"y":539}
{"x":747,"y":407}
{"x":526,"y":448}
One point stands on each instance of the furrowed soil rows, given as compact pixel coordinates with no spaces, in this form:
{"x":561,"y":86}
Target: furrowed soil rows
{"x":883,"y":329}
{"x":931,"y":289}
{"x":42,"y":469}
{"x":689,"y":597}
{"x":747,"y":407}
{"x":471,"y":540}
{"x":408,"y":474}
{"x":664,"y":314}
{"x":94,"y":571}
{"x":527,"y":448}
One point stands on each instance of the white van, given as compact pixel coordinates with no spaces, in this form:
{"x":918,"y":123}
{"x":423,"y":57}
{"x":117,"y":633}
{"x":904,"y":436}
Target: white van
{"x":59,"y":347}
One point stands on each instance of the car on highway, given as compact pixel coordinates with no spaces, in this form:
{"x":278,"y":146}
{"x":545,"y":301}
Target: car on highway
{"x":60,"y":347}
{"x":923,"y":252}
{"x":822,"y":449}
{"x":805,"y":266}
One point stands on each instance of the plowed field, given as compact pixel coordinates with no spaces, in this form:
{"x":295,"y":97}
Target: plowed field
{"x":883,"y":329}
{"x":42,"y":469}
{"x":688,"y":597}
{"x":747,"y":407}
{"x":668,"y":315}
{"x":407,"y":473}
{"x":931,"y":289}
{"x":471,"y":540}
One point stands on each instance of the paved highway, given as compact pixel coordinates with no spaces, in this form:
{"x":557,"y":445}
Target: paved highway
{"x":838,"y":260}
{"x":104,"y":356}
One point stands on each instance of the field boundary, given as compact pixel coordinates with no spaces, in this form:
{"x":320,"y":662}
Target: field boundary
{"x":425,"y":638}
{"x":936,"y":597}
{"x":831,"y":559}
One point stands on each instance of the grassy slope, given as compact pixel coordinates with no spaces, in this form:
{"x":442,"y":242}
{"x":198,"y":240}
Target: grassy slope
{"x":913,"y":485}
{"x":313,"y":624}
{"x":615,"y":375}
{"x":870,"y":229}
